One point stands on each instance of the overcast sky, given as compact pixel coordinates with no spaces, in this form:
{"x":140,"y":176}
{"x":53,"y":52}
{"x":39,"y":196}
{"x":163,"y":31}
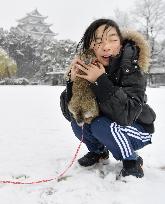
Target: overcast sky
{"x":69,"y":17}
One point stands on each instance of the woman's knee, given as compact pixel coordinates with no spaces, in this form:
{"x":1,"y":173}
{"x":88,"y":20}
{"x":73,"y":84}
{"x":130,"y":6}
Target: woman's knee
{"x":100,"y":122}
{"x":76,"y":129}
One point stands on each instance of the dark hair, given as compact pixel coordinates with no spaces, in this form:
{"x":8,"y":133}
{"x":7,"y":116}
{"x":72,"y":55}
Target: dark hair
{"x":90,"y":32}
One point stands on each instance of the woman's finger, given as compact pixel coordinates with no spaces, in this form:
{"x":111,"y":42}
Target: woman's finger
{"x":82,"y":64}
{"x":81,"y":76}
{"x":96,"y":66}
{"x":100,"y":65}
{"x":93,"y":66}
{"x":82,"y":68}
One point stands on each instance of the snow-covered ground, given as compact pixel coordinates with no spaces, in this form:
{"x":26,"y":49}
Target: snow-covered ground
{"x":36,"y":143}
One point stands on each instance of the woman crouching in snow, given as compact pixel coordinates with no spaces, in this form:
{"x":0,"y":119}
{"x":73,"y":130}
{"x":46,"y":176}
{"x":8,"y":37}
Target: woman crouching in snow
{"x":125,"y":122}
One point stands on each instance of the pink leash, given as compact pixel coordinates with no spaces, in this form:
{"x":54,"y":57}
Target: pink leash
{"x":50,"y":179}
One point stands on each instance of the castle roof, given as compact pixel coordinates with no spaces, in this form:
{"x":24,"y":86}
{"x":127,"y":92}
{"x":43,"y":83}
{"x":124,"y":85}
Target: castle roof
{"x":35,"y":13}
{"x":49,"y":31}
{"x":34,"y":30}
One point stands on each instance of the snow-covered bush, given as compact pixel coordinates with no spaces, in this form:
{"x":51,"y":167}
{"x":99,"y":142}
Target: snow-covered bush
{"x":18,"y":81}
{"x":8,"y":66}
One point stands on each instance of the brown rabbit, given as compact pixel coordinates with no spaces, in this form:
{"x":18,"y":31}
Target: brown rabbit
{"x":83,"y":105}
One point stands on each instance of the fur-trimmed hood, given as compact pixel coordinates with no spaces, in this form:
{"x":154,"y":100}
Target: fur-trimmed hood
{"x":141,"y":42}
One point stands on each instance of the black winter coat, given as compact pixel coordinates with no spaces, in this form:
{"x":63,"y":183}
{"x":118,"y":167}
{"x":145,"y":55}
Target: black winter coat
{"x":120,"y":92}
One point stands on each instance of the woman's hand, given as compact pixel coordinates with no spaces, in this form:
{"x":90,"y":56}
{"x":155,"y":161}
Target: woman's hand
{"x":92,"y":71}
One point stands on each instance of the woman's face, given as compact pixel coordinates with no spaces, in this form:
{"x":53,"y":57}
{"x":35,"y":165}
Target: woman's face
{"x":107,"y":43}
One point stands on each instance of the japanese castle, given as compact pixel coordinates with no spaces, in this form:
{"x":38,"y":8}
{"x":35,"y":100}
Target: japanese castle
{"x":33,"y":24}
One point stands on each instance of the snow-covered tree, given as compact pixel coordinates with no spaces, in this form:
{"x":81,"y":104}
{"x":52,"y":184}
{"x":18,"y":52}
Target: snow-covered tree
{"x":36,"y":58}
{"x":55,"y":56}
{"x":22,"y":48}
{"x":150,"y":18}
{"x":123,"y":19}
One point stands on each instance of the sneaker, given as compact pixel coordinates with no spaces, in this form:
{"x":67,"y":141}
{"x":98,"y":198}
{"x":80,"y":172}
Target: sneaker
{"x":133,"y":168}
{"x":92,"y":158}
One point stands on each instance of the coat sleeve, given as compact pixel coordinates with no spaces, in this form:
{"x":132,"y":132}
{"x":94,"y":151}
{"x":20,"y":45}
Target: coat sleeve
{"x":64,"y":100}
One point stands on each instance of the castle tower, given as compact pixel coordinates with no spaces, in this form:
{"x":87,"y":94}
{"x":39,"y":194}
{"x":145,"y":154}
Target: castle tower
{"x":33,"y":24}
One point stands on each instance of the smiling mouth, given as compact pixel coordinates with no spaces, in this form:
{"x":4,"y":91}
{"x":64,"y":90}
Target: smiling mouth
{"x":106,"y":57}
